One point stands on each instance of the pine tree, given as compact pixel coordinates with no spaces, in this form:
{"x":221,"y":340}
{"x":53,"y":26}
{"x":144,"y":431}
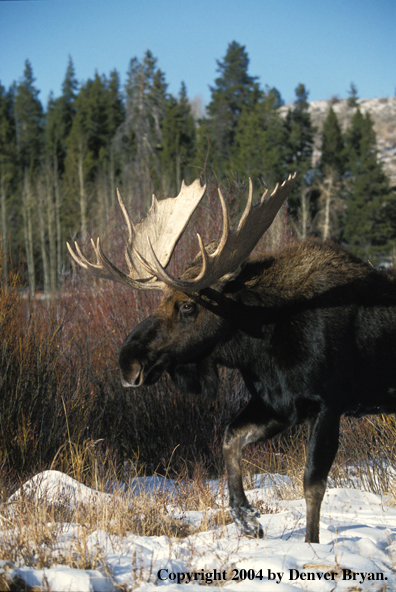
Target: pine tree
{"x":233,"y":91}
{"x":28,"y":120}
{"x":370,"y":226}
{"x":67,"y":107}
{"x":299,"y":140}
{"x":140,"y":136}
{"x":115,"y":107}
{"x":58,"y":122}
{"x":115,"y":115}
{"x":29,"y":125}
{"x":59,"y":119}
{"x":178,"y":146}
{"x":332,"y":146}
{"x":7,"y":171}
{"x":260,"y":139}
{"x":90,"y":159}
{"x":353,"y":96}
{"x":300,"y":134}
{"x":79,"y":163}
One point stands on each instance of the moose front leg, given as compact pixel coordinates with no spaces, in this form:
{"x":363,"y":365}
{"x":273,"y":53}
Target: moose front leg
{"x":321,"y":450}
{"x":255,"y":422}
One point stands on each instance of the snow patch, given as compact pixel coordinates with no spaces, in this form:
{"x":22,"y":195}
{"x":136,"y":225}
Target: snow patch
{"x":357,"y":549}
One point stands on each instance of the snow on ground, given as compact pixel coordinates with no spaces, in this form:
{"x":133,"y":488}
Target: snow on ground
{"x":357,"y":549}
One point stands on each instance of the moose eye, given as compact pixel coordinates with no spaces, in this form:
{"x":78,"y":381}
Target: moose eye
{"x":187,"y":308}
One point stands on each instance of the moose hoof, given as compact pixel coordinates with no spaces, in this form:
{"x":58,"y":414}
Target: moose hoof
{"x":246,"y":520}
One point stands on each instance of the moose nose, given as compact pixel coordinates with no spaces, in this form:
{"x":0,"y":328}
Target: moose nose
{"x":133,"y":376}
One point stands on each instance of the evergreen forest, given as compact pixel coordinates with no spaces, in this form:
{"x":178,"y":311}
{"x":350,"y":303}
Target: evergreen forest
{"x":60,"y":164}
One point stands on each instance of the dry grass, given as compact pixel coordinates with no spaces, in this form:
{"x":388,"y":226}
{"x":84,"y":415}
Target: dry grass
{"x":41,"y":533}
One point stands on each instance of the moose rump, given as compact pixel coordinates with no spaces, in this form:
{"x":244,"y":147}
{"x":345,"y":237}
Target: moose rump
{"x":311,"y":328}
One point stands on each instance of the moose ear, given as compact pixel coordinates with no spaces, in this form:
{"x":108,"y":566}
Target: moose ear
{"x":200,"y":378}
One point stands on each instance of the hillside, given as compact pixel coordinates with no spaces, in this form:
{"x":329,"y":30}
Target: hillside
{"x":383,"y":114}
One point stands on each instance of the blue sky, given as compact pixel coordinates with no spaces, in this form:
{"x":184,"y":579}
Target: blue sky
{"x":325,"y":44}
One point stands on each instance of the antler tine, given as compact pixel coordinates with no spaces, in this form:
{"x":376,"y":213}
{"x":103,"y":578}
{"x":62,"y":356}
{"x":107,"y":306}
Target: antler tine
{"x":226,"y":223}
{"x":105,"y":269}
{"x":265,"y":194}
{"x":79,"y":258}
{"x":160,"y":272}
{"x":129,"y":223}
{"x":151,"y":269}
{"x":271,"y":204}
{"x":131,"y":232}
{"x":248,"y":207}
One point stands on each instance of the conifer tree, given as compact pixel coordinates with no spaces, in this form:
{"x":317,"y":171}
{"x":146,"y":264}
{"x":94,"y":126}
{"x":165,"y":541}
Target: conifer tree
{"x":29,"y":125}
{"x":79,"y":160}
{"x":59,"y":118}
{"x":300,"y":134}
{"x":299,"y":141}
{"x":370,"y":226}
{"x":353,"y":96}
{"x":140,"y":136}
{"x":98,"y":113}
{"x":58,"y":122}
{"x":7,"y":171}
{"x":178,"y":146}
{"x":332,"y":145}
{"x":260,"y":139}
{"x":115,"y":116}
{"x":233,"y":91}
{"x":28,"y":120}
{"x":114,"y":105}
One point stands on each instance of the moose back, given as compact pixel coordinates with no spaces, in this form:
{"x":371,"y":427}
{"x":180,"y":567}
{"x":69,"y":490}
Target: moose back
{"x":310,"y":327}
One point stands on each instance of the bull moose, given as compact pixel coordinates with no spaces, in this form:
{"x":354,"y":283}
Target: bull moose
{"x":310,"y":327}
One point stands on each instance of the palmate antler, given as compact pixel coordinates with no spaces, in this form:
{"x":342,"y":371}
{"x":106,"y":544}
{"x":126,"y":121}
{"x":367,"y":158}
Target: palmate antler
{"x":154,"y":239}
{"x":159,"y":230}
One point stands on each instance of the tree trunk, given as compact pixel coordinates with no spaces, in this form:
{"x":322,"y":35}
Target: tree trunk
{"x":304,"y":213}
{"x":102,"y":205}
{"x":112,"y":177}
{"x":57,"y":217}
{"x":328,"y":190}
{"x":51,"y":231}
{"x":4,"y":239}
{"x":178,"y":175}
{"x":41,"y":191}
{"x":326,"y":224}
{"x":83,"y":197}
{"x":28,"y":233}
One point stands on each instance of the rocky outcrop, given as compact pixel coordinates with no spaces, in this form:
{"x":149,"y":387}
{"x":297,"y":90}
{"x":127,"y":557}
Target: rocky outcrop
{"x":383,"y":114}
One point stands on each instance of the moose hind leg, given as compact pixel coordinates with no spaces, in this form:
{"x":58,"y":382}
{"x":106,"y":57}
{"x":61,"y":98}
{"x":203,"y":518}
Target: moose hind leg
{"x":321,"y":450}
{"x":255,"y":422}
